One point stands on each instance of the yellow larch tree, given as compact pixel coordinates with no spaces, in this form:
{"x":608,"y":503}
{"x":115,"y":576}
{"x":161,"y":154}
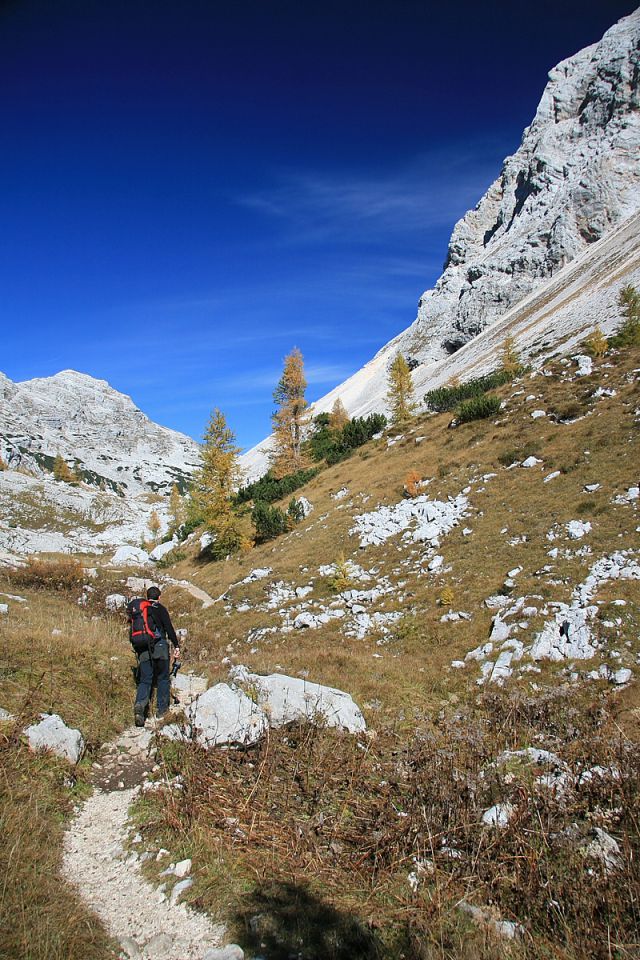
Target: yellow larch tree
{"x":338,"y":416}
{"x":400,"y":391}
{"x":290,"y":419}
{"x":215,"y":483}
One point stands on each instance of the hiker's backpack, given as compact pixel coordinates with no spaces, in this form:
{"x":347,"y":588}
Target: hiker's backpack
{"x":143,"y":631}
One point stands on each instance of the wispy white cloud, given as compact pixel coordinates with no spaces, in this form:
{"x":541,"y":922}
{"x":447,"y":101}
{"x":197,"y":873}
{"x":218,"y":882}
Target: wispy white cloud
{"x":428,"y":192}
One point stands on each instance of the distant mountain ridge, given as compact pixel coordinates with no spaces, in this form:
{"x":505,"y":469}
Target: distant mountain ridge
{"x":97,"y":430}
{"x":573,"y":180}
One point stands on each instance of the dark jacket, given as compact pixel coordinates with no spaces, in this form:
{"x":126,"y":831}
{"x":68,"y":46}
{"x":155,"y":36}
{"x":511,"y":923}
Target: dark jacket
{"x":162,"y":620}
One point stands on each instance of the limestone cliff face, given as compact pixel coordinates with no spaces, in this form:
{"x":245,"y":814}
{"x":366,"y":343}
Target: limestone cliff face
{"x":575,"y":175}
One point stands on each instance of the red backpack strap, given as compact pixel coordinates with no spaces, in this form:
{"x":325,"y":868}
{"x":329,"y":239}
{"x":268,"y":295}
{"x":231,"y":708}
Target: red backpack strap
{"x":144,"y":609}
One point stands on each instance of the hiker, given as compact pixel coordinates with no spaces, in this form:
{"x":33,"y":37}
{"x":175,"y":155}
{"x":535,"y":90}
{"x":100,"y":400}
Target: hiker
{"x":151,"y":631}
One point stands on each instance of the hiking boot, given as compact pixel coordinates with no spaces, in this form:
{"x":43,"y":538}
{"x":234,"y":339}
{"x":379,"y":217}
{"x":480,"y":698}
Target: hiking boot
{"x":138,"y":715}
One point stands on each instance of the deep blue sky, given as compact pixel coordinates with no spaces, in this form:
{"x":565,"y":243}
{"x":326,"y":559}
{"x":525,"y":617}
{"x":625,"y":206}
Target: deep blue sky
{"x":190,"y":189}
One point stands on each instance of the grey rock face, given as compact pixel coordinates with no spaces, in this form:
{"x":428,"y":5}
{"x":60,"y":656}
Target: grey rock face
{"x":574,"y":176}
{"x":574,"y":180}
{"x":53,"y":734}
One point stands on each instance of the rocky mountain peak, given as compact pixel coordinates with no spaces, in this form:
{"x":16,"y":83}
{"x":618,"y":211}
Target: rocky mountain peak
{"x":111,"y":442}
{"x":574,"y":176}
{"x":570,"y":193}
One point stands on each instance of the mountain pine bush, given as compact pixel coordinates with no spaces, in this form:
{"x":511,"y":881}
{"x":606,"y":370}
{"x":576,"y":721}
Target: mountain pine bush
{"x":629,"y":333}
{"x":478,"y":408}
{"x":447,"y":398}
{"x":269,"y":522}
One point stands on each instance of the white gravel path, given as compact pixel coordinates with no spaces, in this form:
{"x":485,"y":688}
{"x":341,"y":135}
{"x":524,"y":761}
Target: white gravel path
{"x":111,"y":883}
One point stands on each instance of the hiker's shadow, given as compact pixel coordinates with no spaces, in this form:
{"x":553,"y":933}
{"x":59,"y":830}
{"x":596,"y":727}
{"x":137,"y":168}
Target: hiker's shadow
{"x":281,"y":921}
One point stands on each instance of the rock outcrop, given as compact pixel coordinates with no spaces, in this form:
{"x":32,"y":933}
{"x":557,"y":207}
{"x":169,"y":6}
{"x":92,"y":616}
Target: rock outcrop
{"x":575,"y":176}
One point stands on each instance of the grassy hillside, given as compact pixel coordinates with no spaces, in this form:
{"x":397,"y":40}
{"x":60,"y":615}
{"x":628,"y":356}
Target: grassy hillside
{"x":314,"y":831}
{"x":315,"y":844}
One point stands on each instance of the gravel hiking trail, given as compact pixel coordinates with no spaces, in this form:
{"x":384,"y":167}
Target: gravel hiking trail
{"x":148,"y":924}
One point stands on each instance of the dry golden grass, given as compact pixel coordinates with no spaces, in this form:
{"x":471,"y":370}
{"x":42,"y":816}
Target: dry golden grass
{"x":332,"y":826}
{"x":83,"y":675}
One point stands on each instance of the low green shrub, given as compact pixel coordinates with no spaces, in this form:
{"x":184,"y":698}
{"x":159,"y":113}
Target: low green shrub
{"x":269,"y":522}
{"x":269,"y":489}
{"x":336,"y":445}
{"x":478,"y":408}
{"x":447,"y":398}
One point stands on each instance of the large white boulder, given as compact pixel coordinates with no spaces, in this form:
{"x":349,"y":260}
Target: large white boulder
{"x":285,"y":699}
{"x":162,"y":550}
{"x":226,"y":715}
{"x":53,"y":734}
{"x":130,"y":556}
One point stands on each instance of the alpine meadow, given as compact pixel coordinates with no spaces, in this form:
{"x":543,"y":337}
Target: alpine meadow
{"x":402,"y":632}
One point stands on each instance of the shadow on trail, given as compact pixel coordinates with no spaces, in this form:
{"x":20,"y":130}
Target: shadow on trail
{"x":281,"y":921}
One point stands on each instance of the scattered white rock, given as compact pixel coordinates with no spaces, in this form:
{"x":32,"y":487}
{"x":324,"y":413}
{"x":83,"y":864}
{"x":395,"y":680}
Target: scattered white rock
{"x":621,"y":676}
{"x":537,"y":414}
{"x":4,"y":608}
{"x":115,"y":602}
{"x":224,"y":715}
{"x":258,"y":574}
{"x":430,"y":520}
{"x":605,"y":849}
{"x":230,"y":952}
{"x":551,"y":476}
{"x":205,"y":541}
{"x":577,"y":529}
{"x":187,"y":686}
{"x":530,"y":462}
{"x":585,"y":365}
{"x":498,"y":815}
{"x":307,"y":507}
{"x":566,"y":637}
{"x":504,"y":929}
{"x":161,"y":551}
{"x":53,"y":734}
{"x":181,"y":887}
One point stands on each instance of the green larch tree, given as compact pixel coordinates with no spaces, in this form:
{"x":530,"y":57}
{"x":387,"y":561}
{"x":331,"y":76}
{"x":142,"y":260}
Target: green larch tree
{"x":629,"y":333}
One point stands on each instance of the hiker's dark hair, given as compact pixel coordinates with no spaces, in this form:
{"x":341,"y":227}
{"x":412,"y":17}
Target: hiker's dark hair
{"x":153,"y":593}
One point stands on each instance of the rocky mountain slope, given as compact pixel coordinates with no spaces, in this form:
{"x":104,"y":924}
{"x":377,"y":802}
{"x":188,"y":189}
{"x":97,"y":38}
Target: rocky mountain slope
{"x":573,"y":180}
{"x":97,"y":430}
{"x":127,"y":465}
